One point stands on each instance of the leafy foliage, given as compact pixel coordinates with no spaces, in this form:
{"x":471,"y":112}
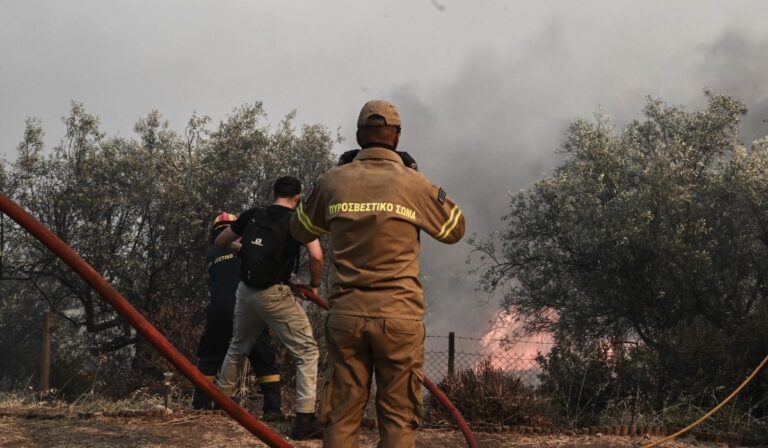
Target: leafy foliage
{"x":139,"y":210}
{"x":653,"y":241}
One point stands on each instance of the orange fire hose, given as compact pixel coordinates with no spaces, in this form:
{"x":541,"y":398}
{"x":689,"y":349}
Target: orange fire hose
{"x":431,"y":387}
{"x":141,"y":324}
{"x":713,"y":410}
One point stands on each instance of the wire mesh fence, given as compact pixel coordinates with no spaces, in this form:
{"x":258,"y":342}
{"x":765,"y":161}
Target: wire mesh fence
{"x":502,"y":381}
{"x":436,"y":364}
{"x":449,"y":360}
{"x":500,"y":353}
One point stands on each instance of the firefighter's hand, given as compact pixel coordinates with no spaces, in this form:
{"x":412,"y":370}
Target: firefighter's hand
{"x":235,"y":246}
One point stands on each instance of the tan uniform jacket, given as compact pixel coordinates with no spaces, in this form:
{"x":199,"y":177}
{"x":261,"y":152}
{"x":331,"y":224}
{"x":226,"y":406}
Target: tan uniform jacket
{"x":373,"y":209}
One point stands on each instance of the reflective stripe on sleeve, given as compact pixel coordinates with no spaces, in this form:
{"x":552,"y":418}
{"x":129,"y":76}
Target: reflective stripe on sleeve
{"x":268,"y":379}
{"x":449,"y":225}
{"x":307,"y":223}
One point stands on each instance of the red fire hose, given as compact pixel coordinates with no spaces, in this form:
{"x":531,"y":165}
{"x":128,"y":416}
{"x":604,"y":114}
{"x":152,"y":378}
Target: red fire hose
{"x":431,"y":387}
{"x":149,"y":332}
{"x":146,"y":329}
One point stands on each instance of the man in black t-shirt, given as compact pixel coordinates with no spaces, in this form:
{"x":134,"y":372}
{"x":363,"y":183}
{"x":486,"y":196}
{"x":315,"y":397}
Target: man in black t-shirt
{"x":223,"y":277}
{"x":264,"y":298}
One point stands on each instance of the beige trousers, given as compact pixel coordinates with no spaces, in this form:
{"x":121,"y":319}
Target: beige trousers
{"x":358,"y":349}
{"x":276,"y":308}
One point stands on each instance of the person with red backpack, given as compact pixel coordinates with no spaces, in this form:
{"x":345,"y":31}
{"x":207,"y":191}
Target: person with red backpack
{"x":223,"y":277}
{"x":262,"y":238}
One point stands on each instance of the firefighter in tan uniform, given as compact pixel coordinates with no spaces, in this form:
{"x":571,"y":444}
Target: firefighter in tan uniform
{"x":373,"y":208}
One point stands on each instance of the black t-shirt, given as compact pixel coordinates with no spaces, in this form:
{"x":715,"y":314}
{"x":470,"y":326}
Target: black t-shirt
{"x":223,"y":277}
{"x":274,"y":213}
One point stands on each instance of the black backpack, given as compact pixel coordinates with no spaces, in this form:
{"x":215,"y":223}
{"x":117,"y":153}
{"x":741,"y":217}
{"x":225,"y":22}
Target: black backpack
{"x":350,"y":155}
{"x":264,"y":246}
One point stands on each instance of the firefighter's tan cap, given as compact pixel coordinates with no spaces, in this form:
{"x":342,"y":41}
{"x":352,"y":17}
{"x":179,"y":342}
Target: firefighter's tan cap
{"x":378,"y":107}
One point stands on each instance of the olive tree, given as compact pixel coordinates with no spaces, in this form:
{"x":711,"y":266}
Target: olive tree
{"x":139,"y":209}
{"x":652,"y":238}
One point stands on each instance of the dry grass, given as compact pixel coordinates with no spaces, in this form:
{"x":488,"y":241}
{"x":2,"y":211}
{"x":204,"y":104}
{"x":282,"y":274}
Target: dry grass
{"x":217,"y":431}
{"x":59,"y":424}
{"x":487,"y":394}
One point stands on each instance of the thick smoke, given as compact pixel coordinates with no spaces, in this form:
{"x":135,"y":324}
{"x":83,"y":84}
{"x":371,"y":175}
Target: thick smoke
{"x":481,"y":128}
{"x":498,"y":127}
{"x":736,"y":64}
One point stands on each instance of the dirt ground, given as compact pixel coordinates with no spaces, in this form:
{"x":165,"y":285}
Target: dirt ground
{"x":206,"y":430}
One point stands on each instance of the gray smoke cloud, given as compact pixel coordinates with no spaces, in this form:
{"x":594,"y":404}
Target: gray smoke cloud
{"x":736,"y":64}
{"x":497,"y":128}
{"x":486,"y":88}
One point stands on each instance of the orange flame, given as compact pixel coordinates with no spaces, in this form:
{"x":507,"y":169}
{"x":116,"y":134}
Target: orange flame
{"x":503,"y":341}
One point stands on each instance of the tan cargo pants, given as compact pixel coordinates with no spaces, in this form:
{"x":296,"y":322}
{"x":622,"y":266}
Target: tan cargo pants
{"x":277,"y":308}
{"x":358,"y":347}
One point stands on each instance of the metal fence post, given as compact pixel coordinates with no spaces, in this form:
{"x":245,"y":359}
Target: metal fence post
{"x":451,"y":353}
{"x":45,"y":353}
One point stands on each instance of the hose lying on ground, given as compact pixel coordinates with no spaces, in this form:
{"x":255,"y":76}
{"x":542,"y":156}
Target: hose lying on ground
{"x":715,"y":409}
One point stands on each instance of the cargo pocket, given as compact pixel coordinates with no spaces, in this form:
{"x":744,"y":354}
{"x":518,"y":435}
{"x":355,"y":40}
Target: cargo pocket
{"x":301,"y":330}
{"x":339,"y":333}
{"x":416,"y":396}
{"x":339,"y":330}
{"x":404,"y":326}
{"x":326,"y":402}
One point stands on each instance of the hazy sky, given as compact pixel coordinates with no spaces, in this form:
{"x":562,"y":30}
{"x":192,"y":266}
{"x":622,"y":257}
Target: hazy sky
{"x":485,"y":87}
